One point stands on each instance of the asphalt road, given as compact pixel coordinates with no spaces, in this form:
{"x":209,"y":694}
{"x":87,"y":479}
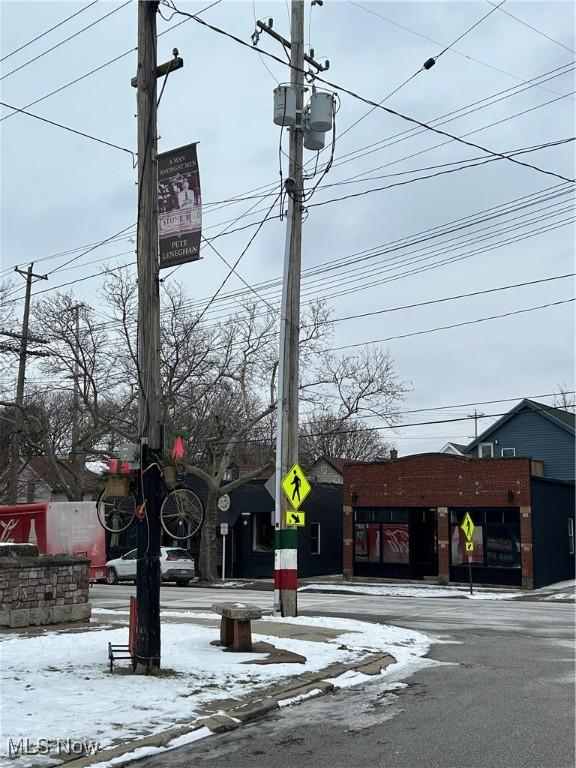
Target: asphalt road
{"x":497,"y":692}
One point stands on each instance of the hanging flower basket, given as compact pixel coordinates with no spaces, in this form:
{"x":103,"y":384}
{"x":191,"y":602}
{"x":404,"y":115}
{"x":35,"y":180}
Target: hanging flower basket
{"x":170,"y":475}
{"x":117,"y":485}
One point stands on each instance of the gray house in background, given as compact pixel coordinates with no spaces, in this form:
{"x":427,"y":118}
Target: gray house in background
{"x":535,"y":430}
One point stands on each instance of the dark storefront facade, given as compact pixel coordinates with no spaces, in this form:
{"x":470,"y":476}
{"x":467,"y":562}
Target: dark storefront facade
{"x":402,"y":520}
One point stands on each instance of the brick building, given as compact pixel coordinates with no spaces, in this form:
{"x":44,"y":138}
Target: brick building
{"x":402,"y":520}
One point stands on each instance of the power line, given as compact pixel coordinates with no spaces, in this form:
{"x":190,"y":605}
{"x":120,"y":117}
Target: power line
{"x":370,"y":102}
{"x":102,"y":66}
{"x":71,"y":37}
{"x":446,"y":118}
{"x":90,"y":249}
{"x":515,"y":206}
{"x":60,"y":23}
{"x":238,"y":260}
{"x":490,"y":12}
{"x":378,"y":428}
{"x":453,"y":227}
{"x":455,"y":325}
{"x":452,"y":298}
{"x":452,"y":50}
{"x":71,"y":130}
{"x":424,"y":178}
{"x":238,"y":275}
{"x":534,"y":29}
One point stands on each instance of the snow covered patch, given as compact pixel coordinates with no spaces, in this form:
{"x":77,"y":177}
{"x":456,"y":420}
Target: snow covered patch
{"x":58,"y":686}
{"x":301,"y":697}
{"x":140,"y":752}
{"x":394,"y":591}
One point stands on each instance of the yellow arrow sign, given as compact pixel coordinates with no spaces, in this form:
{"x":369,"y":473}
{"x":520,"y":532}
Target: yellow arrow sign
{"x":469,"y":546}
{"x":468,"y":526}
{"x":296,"y":486}
{"x":295,"y":518}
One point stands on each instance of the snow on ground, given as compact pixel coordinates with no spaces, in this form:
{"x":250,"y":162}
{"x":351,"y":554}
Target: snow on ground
{"x":58,"y":686}
{"x":140,"y":752}
{"x":424,"y":591}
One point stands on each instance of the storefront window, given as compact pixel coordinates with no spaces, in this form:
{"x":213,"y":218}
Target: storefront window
{"x":502,"y":546}
{"x":360,"y":543}
{"x":367,"y":543}
{"x":395,"y":543}
{"x":459,"y":555}
{"x":373,"y":543}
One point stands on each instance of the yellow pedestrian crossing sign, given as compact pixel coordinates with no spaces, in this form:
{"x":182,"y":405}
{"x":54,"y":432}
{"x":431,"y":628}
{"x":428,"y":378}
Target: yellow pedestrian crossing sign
{"x":296,"y":486}
{"x":293,"y":517}
{"x":468,"y":527}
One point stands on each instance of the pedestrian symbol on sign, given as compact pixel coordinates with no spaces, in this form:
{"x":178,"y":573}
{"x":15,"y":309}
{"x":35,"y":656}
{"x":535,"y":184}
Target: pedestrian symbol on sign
{"x":295,"y":486}
{"x":296,"y":483}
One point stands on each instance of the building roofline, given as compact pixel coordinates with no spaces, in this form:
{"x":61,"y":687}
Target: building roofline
{"x":532,"y":405}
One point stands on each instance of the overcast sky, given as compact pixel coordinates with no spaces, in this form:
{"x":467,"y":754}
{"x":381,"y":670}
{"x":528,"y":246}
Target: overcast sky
{"x":60,"y":191}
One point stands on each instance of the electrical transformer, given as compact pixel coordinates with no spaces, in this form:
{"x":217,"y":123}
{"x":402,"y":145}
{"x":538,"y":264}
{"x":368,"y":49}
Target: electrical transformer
{"x":321,"y":109}
{"x":285,"y":106}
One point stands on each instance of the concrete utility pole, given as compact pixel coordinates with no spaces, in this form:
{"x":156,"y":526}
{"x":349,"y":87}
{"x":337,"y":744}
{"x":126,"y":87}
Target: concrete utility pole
{"x":150,"y":482}
{"x":15,"y":462}
{"x":286,"y":564}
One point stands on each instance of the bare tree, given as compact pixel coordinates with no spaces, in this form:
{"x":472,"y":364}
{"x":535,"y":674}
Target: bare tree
{"x":565,"y":399}
{"x":325,"y":434}
{"x":88,"y":391}
{"x":219,"y":384}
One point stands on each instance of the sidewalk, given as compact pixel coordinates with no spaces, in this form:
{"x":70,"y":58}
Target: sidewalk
{"x":57,"y":686}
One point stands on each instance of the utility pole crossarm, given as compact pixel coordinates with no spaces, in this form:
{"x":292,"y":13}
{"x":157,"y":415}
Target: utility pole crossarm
{"x":287,"y":44}
{"x":163,"y":69}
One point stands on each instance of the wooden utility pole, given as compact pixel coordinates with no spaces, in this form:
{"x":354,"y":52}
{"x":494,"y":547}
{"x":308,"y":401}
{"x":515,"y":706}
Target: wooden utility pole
{"x":77,"y":460}
{"x":150,"y":482}
{"x":285,"y":567}
{"x":15,"y":457}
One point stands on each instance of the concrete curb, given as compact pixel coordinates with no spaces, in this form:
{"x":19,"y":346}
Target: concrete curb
{"x":249,"y":709}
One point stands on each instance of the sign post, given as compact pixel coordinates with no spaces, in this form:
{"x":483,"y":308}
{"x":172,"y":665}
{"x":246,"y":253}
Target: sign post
{"x":468,"y":527}
{"x":223,"y":533}
{"x":296,"y":488}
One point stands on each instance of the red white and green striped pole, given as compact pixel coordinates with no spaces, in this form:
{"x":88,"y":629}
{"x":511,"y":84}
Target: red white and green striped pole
{"x":285,"y":559}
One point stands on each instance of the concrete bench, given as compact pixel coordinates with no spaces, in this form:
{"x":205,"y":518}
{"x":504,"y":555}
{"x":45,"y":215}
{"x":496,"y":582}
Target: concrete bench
{"x":235,"y":629}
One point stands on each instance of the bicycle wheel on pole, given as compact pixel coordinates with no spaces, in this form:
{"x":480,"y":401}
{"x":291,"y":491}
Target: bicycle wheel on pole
{"x":181,"y":514}
{"x":116,"y":513}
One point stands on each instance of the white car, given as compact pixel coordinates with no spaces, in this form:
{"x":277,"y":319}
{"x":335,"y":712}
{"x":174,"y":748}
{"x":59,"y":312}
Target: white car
{"x":175,"y":565}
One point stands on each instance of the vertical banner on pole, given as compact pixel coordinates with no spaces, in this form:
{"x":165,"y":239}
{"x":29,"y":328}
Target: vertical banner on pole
{"x":179,"y":206}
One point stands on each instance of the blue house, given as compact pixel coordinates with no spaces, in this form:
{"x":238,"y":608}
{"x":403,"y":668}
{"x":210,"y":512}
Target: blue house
{"x":533,"y":430}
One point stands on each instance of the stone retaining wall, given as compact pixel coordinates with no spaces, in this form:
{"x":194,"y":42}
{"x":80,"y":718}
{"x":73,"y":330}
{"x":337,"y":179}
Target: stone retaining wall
{"x":42,"y":589}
